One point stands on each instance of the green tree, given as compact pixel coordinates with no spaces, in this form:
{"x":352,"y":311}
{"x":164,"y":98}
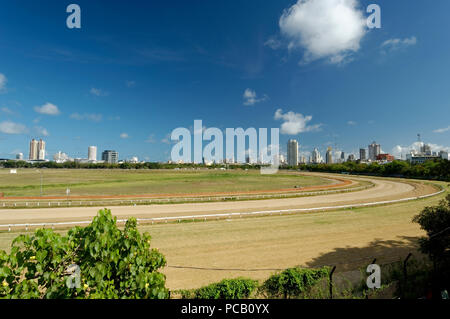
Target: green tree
{"x":112,"y":263}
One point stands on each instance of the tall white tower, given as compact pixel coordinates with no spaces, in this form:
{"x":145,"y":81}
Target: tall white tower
{"x":92,"y":153}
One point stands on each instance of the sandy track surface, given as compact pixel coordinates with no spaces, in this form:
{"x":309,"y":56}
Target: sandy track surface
{"x":383,"y":190}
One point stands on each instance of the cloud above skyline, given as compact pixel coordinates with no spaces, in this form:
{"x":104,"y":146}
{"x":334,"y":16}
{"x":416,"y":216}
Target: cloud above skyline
{"x":329,"y":29}
{"x":250,"y":97}
{"x":295,"y":123}
{"x":98,"y":92}
{"x":87,"y":116}
{"x":47,"y":109}
{"x":3,"y":81}
{"x":9,"y":127}
{"x":442,"y":130}
{"x":397,"y":44}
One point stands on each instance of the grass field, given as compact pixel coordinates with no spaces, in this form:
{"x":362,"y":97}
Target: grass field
{"x":346,"y":238}
{"x":27,"y":182}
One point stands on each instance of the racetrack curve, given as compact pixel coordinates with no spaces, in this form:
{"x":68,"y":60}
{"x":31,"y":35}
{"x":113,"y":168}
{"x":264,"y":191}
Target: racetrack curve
{"x":384,"y":190}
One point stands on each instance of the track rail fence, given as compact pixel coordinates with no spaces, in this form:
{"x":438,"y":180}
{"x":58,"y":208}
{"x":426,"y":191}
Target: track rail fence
{"x":174,"y":200}
{"x":205,"y":217}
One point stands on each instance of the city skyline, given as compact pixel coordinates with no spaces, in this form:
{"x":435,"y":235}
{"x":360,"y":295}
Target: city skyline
{"x":135,"y":80}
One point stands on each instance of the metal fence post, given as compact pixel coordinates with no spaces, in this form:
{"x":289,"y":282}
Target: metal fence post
{"x":405,"y":276}
{"x":331,"y":282}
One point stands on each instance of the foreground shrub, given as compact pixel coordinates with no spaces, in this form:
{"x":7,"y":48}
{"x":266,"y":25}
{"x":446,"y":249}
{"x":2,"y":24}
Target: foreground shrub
{"x":238,"y":288}
{"x":292,"y":282}
{"x":112,"y":263}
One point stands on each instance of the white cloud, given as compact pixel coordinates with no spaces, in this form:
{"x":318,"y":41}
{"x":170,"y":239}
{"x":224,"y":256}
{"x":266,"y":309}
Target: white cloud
{"x":41,"y":131}
{"x":124,"y":135}
{"x":250,"y":97}
{"x":295,"y":123}
{"x":98,"y":92}
{"x":6,"y":110}
{"x":48,"y":109}
{"x":396,"y":44}
{"x":442,"y":130}
{"x":9,"y":127}
{"x":87,"y":116}
{"x":273,"y":43}
{"x":330,"y":29}
{"x":3,"y":81}
{"x":351,"y":123}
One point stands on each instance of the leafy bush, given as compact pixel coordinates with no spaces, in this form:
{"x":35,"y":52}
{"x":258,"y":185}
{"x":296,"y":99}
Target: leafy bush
{"x":238,"y":288}
{"x":419,"y":276}
{"x":292,"y":282}
{"x":112,"y":263}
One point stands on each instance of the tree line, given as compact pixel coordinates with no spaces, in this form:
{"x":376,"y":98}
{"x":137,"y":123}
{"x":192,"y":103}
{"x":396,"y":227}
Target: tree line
{"x":434,"y":169}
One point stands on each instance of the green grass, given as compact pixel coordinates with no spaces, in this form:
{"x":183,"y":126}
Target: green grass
{"x":27,"y":182}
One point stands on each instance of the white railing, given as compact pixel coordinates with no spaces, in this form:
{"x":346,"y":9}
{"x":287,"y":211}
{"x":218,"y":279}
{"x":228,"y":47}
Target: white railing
{"x":76,"y":203}
{"x":228,"y":215}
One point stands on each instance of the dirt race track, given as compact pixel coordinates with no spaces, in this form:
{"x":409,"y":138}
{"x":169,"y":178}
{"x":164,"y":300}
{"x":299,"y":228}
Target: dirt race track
{"x":384,"y":190}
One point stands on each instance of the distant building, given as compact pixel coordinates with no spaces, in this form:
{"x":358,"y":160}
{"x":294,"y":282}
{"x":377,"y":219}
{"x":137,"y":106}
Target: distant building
{"x":425,"y":149}
{"x":292,"y":153}
{"x":374,"y":151}
{"x":385,"y":157}
{"x":19,"y":157}
{"x":92,"y":153}
{"x":342,"y":157}
{"x":37,"y":150}
{"x":362,"y":154}
{"x":316,"y":158}
{"x":111,"y":157}
{"x":61,"y":157}
{"x":303,"y":159}
{"x":33,"y":154}
{"x":329,"y":156}
{"x":351,"y":158}
{"x":443,"y":155}
{"x":420,"y":158}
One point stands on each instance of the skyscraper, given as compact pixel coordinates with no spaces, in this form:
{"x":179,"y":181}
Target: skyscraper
{"x":110,"y":157}
{"x":92,"y":153}
{"x":292,"y":152}
{"x":37,"y":150}
{"x":374,"y":151}
{"x":362,"y":154}
{"x":41,"y":150}
{"x":33,"y":155}
{"x":329,"y":156}
{"x":316,"y":158}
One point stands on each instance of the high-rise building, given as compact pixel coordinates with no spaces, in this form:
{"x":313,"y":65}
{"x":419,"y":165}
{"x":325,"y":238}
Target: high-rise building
{"x":342,"y":157}
{"x":374,"y":151}
{"x":19,"y":156}
{"x":110,"y":157}
{"x":92,"y":153}
{"x":292,"y":152}
{"x":37,"y":150}
{"x":33,"y":155}
{"x":362,"y":154}
{"x":329,"y":156}
{"x":41,"y":150}
{"x":316,"y":158}
{"x":425,"y":149}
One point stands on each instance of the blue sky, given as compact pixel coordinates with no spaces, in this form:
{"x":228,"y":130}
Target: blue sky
{"x":136,"y":70}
